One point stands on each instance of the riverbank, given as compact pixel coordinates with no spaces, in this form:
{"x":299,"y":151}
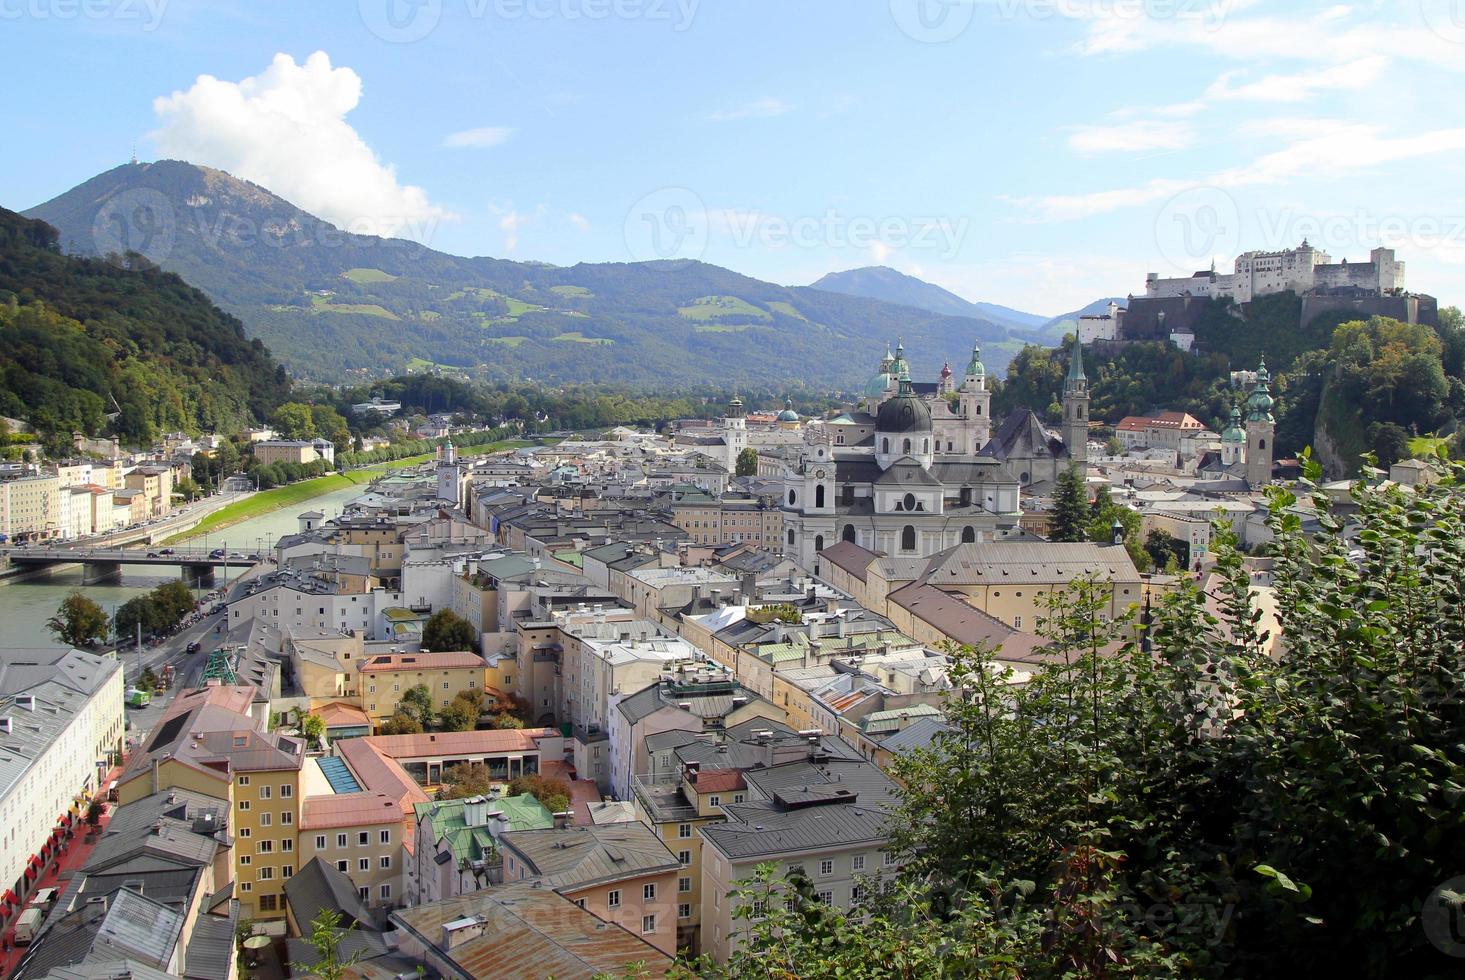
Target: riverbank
{"x":268,"y":501}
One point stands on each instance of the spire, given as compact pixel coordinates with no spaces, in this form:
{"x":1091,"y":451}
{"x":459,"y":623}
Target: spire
{"x":975,"y":368}
{"x":1259,"y":405}
{"x":1075,"y":362}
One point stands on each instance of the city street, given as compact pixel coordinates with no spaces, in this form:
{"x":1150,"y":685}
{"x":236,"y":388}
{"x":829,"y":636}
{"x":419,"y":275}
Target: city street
{"x":187,"y":669}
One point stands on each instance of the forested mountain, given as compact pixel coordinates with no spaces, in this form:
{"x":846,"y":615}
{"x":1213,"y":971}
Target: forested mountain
{"x":889,"y":286}
{"x":119,"y":346}
{"x":335,"y":305}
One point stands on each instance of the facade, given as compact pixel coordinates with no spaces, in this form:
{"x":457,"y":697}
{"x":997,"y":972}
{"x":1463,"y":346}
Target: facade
{"x":1163,"y":429}
{"x":294,"y":451}
{"x":457,"y":843}
{"x":1299,"y":270}
{"x":30,"y":508}
{"x":730,"y":520}
{"x":386,"y":676}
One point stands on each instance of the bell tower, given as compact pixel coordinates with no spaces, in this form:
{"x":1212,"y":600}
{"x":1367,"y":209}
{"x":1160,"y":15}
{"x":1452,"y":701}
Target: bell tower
{"x":1076,"y":407}
{"x":976,"y":403}
{"x":1261,"y":430}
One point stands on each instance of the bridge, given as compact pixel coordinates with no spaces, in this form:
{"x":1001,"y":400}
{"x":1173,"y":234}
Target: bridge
{"x":100,"y":564}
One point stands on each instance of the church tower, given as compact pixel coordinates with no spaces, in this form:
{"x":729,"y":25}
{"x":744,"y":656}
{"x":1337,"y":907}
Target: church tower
{"x":1261,"y":428}
{"x":734,"y":432}
{"x":449,"y":475}
{"x":1076,"y":407}
{"x":1233,"y":440}
{"x":975,"y":402}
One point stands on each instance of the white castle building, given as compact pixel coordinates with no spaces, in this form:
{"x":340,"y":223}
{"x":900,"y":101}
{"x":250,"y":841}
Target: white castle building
{"x":1301,"y":270}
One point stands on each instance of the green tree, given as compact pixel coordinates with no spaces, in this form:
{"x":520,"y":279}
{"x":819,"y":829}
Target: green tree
{"x":173,"y":601}
{"x":461,"y":715}
{"x":1389,"y":443}
{"x":313,"y":727}
{"x":1070,"y":507}
{"x":417,"y":702}
{"x":138,"y":611}
{"x":552,"y":793}
{"x":1165,"y":549}
{"x":747,"y":462}
{"x":79,"y":621}
{"x":401,"y":723}
{"x":1104,"y":513}
{"x":188,"y":488}
{"x":226,"y":460}
{"x":329,"y":424}
{"x":465,"y":780}
{"x":446,"y":631}
{"x":326,"y":936}
{"x":294,"y":420}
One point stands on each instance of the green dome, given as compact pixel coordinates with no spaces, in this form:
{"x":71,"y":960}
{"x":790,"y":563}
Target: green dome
{"x":975,"y":368}
{"x":1234,"y":432}
{"x":788,"y":414}
{"x":878,"y":385}
{"x":900,"y":367}
{"x":1259,"y":405}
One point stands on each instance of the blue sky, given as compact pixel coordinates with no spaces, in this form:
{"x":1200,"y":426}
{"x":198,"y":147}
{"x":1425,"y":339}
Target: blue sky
{"x":1036,"y":153}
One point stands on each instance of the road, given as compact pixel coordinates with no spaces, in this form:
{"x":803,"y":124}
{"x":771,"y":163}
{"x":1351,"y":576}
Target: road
{"x":187,"y":669}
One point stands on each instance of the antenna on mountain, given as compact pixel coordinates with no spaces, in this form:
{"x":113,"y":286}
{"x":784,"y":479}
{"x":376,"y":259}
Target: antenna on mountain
{"x":134,"y":153}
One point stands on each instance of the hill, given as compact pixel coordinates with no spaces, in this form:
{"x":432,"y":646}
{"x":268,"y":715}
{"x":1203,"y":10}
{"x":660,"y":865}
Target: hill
{"x":336,"y":306}
{"x":119,"y":346}
{"x":887,"y":285}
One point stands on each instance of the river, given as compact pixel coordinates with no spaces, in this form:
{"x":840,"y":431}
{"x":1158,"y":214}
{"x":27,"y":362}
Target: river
{"x":25,"y":606}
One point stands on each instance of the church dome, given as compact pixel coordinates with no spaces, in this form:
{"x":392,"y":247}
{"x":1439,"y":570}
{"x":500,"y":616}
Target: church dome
{"x":1234,"y":432}
{"x":788,"y":414}
{"x":975,"y":368}
{"x":877,"y":385}
{"x":903,"y":413}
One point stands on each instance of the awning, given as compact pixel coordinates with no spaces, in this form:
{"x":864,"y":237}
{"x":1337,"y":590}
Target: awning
{"x":11,"y":897}
{"x":30,"y":871}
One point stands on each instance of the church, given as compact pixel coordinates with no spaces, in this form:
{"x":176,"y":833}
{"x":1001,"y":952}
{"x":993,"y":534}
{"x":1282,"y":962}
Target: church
{"x":920,"y":469}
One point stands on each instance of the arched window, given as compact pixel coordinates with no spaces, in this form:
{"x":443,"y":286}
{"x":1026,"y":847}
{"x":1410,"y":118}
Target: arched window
{"x":908,"y":502}
{"x":885,"y":446}
{"x":790,"y":535}
{"x":818,"y":543}
{"x":819,"y":495}
{"x":908,"y":538}
{"x":979,"y":410}
{"x":793,"y":498}
{"x":925,"y":445}
{"x":849,"y":533}
{"x":968,"y":535}
{"x":1261,"y":444}
{"x":907,"y":449}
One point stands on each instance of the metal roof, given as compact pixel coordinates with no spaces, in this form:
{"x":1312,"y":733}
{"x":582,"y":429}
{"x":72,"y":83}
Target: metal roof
{"x":336,"y":773}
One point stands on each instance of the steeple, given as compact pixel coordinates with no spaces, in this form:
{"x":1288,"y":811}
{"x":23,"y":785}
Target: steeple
{"x":975,"y":368}
{"x":1075,"y":363}
{"x":1076,"y":407}
{"x":1261,"y":429}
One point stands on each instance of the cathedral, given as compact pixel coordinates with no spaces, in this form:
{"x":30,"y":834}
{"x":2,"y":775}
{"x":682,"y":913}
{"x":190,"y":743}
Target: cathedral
{"x":920,"y":468}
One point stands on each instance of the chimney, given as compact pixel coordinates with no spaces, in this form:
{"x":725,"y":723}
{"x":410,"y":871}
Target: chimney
{"x":564,"y":819}
{"x":749,"y":587}
{"x":155,"y":775}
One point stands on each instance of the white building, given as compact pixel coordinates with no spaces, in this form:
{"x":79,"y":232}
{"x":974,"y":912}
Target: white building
{"x":61,"y":724}
{"x":1300,"y":270}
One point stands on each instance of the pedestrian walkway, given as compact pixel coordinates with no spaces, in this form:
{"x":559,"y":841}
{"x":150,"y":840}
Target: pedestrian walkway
{"x":56,"y":873}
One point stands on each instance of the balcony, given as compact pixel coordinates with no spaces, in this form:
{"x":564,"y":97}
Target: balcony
{"x":660,"y":795}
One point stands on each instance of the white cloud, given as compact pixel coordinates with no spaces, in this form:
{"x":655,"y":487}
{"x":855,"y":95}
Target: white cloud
{"x":1300,"y":86}
{"x":286,"y":130}
{"x":1132,"y":137}
{"x":509,"y":224}
{"x":477,"y":138}
{"x":580,"y":222}
{"x":759,"y":109}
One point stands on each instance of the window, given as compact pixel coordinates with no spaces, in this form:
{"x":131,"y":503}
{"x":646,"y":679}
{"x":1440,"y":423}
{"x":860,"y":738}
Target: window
{"x":364,"y":892}
{"x":885,"y":446}
{"x":827,"y":897}
{"x":386,"y":862}
{"x":320,"y":842}
{"x":968,"y":535}
{"x":908,"y":538}
{"x":826,"y":868}
{"x":286,"y":817}
{"x":386,"y":892}
{"x":819,"y":495}
{"x":445,"y":685}
{"x":684,"y":911}
{"x":857,"y":893}
{"x":287,"y":791}
{"x":288,"y":871}
{"x":264,"y":819}
{"x":245,"y":860}
{"x":685,"y":857}
{"x":267,"y":903}
{"x":580,"y":903}
{"x":684,"y":830}
{"x":245,"y":886}
{"x":908,"y":502}
{"x":1017,"y":622}
{"x":244,"y":831}
{"x":243,"y":780}
{"x":244,"y":804}
{"x":287,"y":844}
{"x":906,"y":447}
{"x":888,"y":859}
{"x":264,"y":792}
{"x":363,"y":838}
{"x":363,"y":864}
{"x":648,"y":924}
{"x":341,"y":866}
{"x":684,"y":884}
{"x":265,"y":874}
{"x":340,"y":840}
{"x":648,"y":892}
{"x":266,"y":847}
{"x":859,"y":862}
{"x":714,"y":800}
{"x":613,"y":899}
{"x":737,"y":797}
{"x":790,"y":535}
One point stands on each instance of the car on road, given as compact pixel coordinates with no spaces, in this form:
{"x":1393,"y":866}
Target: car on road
{"x":217,"y":553}
{"x":152,"y":554}
{"x":167,"y":551}
{"x":195,"y":646}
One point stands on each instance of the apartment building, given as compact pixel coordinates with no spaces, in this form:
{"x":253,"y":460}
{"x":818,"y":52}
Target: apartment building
{"x":385,"y":677}
{"x":294,"y":451}
{"x":30,"y":507}
{"x":730,"y":520}
{"x":458,"y":850}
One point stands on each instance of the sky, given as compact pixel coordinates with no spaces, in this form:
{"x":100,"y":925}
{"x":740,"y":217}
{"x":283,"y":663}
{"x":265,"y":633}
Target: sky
{"x":1034,"y":153}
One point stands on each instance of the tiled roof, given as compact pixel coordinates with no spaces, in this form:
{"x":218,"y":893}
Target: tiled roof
{"x":348,"y":810}
{"x":458,"y":744}
{"x":579,"y":857}
{"x":720,"y":781}
{"x":421,"y":661}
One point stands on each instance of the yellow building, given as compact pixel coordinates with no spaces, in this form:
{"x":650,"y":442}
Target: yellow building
{"x":210,"y":741}
{"x":386,"y":677}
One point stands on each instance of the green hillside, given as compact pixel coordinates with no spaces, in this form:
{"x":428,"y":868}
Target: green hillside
{"x":336,"y":306}
{"x":118,"y":346}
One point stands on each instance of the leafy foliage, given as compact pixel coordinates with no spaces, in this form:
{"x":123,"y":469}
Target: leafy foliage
{"x":446,"y":632}
{"x":1070,"y":507}
{"x":79,"y":621}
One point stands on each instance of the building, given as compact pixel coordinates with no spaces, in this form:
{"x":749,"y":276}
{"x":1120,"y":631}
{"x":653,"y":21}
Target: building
{"x":1299,"y":270}
{"x":729,"y":520}
{"x":30,"y":507}
{"x":521,"y":932}
{"x":827,"y":819}
{"x":61,"y":724}
{"x":1166,"y":430}
{"x":620,"y":872}
{"x":458,"y":850}
{"x":507,"y":752}
{"x":917,"y":483}
{"x":385,"y":677}
{"x":294,"y":451}
{"x":216,"y":741}
{"x":1261,"y":429}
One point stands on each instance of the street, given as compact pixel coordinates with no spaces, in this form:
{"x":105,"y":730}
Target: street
{"x":187,"y":668}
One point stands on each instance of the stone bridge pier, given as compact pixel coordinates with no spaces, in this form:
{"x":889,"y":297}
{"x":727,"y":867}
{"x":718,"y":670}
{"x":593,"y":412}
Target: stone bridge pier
{"x":199,"y":576}
{"x":100,"y":571}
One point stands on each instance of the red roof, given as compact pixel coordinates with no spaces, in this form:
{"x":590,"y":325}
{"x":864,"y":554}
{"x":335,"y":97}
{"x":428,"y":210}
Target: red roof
{"x":1163,"y":420}
{"x":421,"y":661}
{"x":461,"y":744}
{"x":720,"y":781}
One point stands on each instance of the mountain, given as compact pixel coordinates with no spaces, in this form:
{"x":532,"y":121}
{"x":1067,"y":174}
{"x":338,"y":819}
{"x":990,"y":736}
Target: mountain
{"x":93,"y":345}
{"x":336,"y":306}
{"x":886,"y":284}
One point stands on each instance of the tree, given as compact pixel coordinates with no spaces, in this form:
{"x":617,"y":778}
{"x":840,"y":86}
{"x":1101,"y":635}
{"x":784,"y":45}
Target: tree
{"x":747,"y":462}
{"x":94,"y":811}
{"x":294,"y":420}
{"x":1104,"y":513}
{"x":138,"y":611}
{"x":187,"y":488}
{"x":174,"y":602}
{"x":446,"y":631}
{"x":1389,"y":443}
{"x":401,"y":723}
{"x":464,"y":780}
{"x":325,"y":938}
{"x":329,"y":424}
{"x":1070,"y":507}
{"x":313,"y":727}
{"x":417,"y":702}
{"x":148,"y":681}
{"x":552,"y":793}
{"x":78,"y":621}
{"x":462,"y":714}
{"x":1165,"y":549}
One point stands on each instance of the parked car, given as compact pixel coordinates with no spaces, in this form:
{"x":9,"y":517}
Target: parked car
{"x":27,"y":925}
{"x":195,"y":646}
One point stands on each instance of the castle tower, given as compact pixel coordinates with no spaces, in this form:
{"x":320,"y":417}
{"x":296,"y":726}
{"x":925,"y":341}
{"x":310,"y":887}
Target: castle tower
{"x":975,"y":402}
{"x":1261,"y":429}
{"x":1076,"y":407}
{"x":882,"y":384}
